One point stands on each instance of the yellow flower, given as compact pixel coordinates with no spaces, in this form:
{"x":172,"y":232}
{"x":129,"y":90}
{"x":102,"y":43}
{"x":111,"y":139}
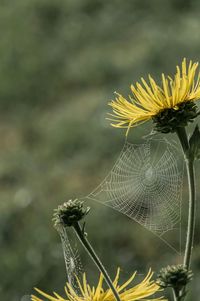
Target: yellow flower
{"x":142,"y":291}
{"x":149,"y":100}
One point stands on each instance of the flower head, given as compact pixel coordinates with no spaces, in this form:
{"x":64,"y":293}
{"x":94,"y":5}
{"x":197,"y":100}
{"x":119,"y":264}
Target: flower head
{"x":176,"y":276}
{"x":69,"y":213}
{"x":142,"y":291}
{"x":169,"y":105}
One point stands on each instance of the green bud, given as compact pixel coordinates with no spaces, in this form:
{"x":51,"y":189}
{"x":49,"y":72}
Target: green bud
{"x":69,"y":213}
{"x":176,"y":276}
{"x":195,"y":143}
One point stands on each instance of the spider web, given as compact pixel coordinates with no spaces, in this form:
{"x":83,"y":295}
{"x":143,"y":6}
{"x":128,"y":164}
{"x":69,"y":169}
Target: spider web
{"x":146,"y":185}
{"x":72,"y":259}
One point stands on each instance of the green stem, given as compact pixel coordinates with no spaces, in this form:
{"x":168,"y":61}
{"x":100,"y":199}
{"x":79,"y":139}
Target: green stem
{"x":189,"y":161}
{"x":82,"y":237}
{"x":176,"y":295}
{"x":191,"y":215}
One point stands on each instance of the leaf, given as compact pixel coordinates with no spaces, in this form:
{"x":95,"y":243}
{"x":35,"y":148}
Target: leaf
{"x":195,"y":143}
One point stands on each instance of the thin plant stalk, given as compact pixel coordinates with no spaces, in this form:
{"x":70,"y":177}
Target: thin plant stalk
{"x":82,"y":237}
{"x":189,"y":162}
{"x":176,"y":295}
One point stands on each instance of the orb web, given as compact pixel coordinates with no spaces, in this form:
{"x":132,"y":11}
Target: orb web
{"x":146,"y":185}
{"x":72,"y":259}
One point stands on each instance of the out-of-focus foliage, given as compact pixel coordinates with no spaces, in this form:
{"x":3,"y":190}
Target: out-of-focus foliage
{"x":60,"y":62}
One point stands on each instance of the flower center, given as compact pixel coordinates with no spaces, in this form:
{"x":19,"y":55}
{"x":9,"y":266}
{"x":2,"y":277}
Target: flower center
{"x":169,"y":120}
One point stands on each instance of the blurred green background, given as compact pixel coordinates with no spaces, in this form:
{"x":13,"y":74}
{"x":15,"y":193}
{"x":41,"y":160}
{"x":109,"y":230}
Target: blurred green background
{"x":60,"y":62}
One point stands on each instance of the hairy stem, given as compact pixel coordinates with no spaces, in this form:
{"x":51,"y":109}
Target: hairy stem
{"x":82,"y":237}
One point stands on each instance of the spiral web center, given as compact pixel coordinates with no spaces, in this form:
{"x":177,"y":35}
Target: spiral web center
{"x":149,"y":174}
{"x":145,"y":184}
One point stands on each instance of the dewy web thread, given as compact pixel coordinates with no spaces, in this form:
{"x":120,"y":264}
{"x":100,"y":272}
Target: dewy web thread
{"x":146,"y":185}
{"x":72,"y":259}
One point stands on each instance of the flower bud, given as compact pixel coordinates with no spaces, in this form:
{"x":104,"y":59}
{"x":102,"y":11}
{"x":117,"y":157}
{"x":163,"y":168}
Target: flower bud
{"x":176,"y":276}
{"x":69,"y":213}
